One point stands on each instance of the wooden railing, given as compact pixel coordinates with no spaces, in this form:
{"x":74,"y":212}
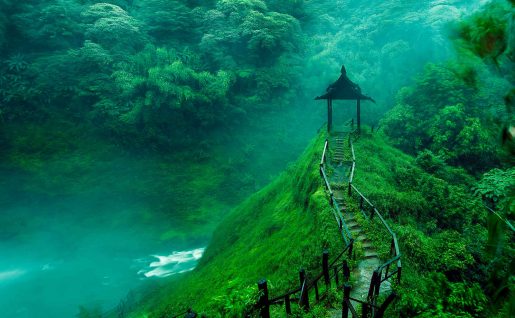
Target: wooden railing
{"x":330,"y":271}
{"x":391,"y":267}
{"x":344,"y":230}
{"x":336,"y":271}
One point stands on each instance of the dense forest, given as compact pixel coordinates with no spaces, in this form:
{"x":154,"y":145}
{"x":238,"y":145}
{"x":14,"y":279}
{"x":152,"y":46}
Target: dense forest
{"x":136,"y":128}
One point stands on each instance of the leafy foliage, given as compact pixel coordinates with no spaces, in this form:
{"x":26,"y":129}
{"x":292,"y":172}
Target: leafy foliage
{"x":485,"y":33}
{"x":165,"y":20}
{"x":444,"y":114}
{"x":157,"y":89}
{"x":112,"y":27}
{"x":496,"y":186}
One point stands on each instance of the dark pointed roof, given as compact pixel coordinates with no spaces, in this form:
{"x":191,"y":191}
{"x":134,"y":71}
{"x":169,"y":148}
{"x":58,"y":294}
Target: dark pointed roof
{"x":344,"y":88}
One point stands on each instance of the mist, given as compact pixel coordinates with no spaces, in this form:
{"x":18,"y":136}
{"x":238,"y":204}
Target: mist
{"x":129,"y":172}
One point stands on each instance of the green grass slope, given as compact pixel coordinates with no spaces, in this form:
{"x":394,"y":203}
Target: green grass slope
{"x":272,"y":234}
{"x":441,"y":229}
{"x":442,"y":232}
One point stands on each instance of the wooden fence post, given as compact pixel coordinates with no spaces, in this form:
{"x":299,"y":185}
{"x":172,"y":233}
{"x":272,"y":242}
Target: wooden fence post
{"x":304,"y":297}
{"x":372,"y":287}
{"x":351,"y":247}
{"x":346,"y":271}
{"x":336,"y":276}
{"x":325,"y":267}
{"x":346,"y":296}
{"x":287,"y":304}
{"x":378,"y":283}
{"x":392,"y":253}
{"x":350,"y":189}
{"x":364,"y":310}
{"x":360,"y":203}
{"x":264,"y":310}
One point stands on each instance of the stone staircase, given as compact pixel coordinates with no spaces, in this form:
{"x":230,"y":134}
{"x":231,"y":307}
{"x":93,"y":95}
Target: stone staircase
{"x":339,"y":148}
{"x":362,"y":273}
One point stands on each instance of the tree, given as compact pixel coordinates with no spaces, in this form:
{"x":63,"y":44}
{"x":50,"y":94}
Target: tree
{"x":48,"y":25}
{"x":113,"y":28}
{"x":166,"y":21}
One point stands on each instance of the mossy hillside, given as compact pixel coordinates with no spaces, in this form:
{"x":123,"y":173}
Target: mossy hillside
{"x":273,"y":234}
{"x":401,"y":185}
{"x":441,"y":229}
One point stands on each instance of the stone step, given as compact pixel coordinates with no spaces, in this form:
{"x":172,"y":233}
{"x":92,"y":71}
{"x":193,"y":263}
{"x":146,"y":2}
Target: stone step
{"x":368,"y":245}
{"x":356,"y":232}
{"x":365,"y":241}
{"x":355,"y":226}
{"x":370,"y":249}
{"x":360,"y":238}
{"x":369,"y":255}
{"x":352,"y":223}
{"x":349,"y":221}
{"x":348,"y":217}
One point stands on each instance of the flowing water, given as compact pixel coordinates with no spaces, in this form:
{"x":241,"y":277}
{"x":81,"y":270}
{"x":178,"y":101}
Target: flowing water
{"x":62,"y":251}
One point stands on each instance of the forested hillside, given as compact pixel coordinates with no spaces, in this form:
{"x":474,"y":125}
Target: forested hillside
{"x":130,"y":129}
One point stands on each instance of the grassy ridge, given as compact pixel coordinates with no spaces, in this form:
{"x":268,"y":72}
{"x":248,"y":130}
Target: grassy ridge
{"x":274,"y":233}
{"x":441,"y":229}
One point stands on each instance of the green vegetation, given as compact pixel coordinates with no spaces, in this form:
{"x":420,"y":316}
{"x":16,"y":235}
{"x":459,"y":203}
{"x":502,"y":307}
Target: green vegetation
{"x":274,"y":233}
{"x":444,"y":114}
{"x":190,"y":106}
{"x":441,"y":226}
{"x":456,"y":109}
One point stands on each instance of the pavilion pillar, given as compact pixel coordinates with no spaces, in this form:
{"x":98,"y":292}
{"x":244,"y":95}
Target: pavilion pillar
{"x":329,"y":114}
{"x":358,"y":111}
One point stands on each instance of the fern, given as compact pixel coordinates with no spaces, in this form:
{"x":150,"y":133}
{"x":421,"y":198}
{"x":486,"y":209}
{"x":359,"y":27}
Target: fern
{"x":16,"y":63}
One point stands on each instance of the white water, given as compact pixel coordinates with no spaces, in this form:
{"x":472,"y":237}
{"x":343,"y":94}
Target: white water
{"x":175,"y":263}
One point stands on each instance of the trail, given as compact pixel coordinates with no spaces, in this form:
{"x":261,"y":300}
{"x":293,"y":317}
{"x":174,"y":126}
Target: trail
{"x":341,"y":163}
